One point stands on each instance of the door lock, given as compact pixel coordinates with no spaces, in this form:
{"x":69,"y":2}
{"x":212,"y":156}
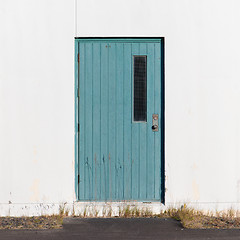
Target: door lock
{"x":154,"y":127}
{"x":155,"y":122}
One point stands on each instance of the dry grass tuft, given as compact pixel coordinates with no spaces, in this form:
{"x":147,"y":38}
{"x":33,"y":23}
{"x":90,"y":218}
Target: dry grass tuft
{"x":195,"y":219}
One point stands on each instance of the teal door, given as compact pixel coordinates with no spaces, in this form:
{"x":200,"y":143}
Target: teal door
{"x":120,"y":119}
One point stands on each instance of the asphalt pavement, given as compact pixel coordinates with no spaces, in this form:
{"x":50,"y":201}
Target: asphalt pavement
{"x":120,"y":228}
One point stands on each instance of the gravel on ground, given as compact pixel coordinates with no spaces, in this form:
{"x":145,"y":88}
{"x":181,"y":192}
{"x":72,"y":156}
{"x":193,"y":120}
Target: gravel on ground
{"x":41,"y":222}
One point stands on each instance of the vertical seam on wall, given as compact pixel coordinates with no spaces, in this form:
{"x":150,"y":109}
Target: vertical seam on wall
{"x":75,"y":18}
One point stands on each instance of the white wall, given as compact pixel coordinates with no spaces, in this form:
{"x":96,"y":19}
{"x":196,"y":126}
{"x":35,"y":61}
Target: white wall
{"x":36,"y":105}
{"x":202,"y":77}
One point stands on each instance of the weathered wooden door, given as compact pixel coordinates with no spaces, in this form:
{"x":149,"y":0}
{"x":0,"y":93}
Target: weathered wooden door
{"x":120,"y":117}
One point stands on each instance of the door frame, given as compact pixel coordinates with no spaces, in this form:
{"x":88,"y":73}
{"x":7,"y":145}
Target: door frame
{"x":76,"y":95}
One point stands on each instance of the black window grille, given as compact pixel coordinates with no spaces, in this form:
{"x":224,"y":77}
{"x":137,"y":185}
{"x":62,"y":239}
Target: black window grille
{"x":140,"y":89}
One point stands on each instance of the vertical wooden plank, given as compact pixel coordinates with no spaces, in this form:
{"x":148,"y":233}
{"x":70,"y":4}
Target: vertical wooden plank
{"x":96,"y":121}
{"x":127,"y":118}
{"x":157,"y":135}
{"x":162,"y":123}
{"x":135,"y":140}
{"x":81,"y":118}
{"x":112,"y":119}
{"x":119,"y":165}
{"x":142,"y":146}
{"x":88,"y":121}
{"x":76,"y":118}
{"x":150,"y":133}
{"x":104,"y":121}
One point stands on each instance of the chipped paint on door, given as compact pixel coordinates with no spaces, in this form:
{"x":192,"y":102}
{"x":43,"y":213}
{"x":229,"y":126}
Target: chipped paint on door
{"x":120,"y":156}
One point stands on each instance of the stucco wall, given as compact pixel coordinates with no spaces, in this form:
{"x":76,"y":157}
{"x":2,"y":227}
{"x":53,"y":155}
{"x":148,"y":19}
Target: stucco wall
{"x":202,"y":79}
{"x":36,"y":105}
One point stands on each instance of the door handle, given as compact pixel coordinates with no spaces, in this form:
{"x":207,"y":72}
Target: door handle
{"x":155,"y":122}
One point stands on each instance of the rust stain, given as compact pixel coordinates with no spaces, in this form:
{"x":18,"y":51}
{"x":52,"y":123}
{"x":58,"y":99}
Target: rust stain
{"x":110,"y":176}
{"x":35,"y":190}
{"x":95,"y":177}
{"x":89,"y":177}
{"x":194,"y":166}
{"x":104,"y":175}
{"x":195,"y":189}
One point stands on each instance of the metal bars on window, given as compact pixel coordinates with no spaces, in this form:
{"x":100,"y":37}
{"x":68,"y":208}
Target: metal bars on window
{"x":140,"y":88}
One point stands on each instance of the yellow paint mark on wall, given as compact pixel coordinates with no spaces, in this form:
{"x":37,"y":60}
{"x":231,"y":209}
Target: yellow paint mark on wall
{"x":35,"y":191}
{"x":194,"y":166}
{"x":195,"y":188}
